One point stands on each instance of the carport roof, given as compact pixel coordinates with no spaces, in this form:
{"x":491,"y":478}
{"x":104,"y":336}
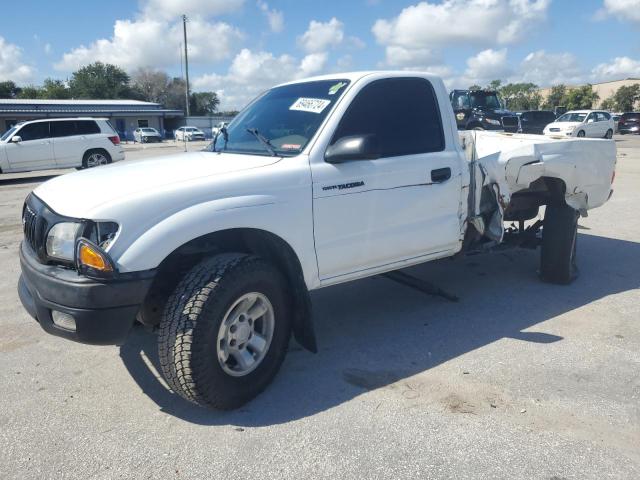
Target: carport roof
{"x":35,"y":106}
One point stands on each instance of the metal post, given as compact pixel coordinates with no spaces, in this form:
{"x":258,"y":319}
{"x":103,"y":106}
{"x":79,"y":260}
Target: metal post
{"x":186,"y":62}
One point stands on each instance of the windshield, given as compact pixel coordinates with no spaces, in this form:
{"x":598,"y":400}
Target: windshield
{"x":8,"y":133}
{"x":287,"y":117}
{"x":148,"y":130}
{"x":572,"y":117}
{"x":488,"y":100}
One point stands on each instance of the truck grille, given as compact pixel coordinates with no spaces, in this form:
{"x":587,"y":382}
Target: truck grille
{"x":34,"y":224}
{"x":510,"y":123}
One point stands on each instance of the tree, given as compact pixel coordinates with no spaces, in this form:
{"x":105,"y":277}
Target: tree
{"x":175,"y":96}
{"x":203,"y":103}
{"x":9,"y":89}
{"x":475,"y":87}
{"x":521,"y":96}
{"x":29,"y":91}
{"x":626,"y":97}
{"x":152,"y":85}
{"x":556,"y":97}
{"x":54,"y":90}
{"x":608,"y":103}
{"x":581,"y":97}
{"x":100,"y":81}
{"x":494,"y":85}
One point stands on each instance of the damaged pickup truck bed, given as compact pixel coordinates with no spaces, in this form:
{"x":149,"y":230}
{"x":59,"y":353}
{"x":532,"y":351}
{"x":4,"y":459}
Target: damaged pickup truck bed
{"x":315,"y":183}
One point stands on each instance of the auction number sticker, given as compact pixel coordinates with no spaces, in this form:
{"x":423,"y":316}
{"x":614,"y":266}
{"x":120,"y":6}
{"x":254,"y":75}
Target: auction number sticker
{"x":313,"y":105}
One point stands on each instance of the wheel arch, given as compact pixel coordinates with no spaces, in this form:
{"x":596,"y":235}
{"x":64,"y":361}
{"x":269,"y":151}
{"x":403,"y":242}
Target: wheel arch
{"x":255,"y":241}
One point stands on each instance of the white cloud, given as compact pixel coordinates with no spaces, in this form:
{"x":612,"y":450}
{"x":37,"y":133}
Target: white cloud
{"x":250,"y":73}
{"x":173,"y":9}
{"x":488,"y":65}
{"x":313,"y":63}
{"x":547,"y":69}
{"x":321,"y":36}
{"x":429,"y":26}
{"x":626,"y":10}
{"x":11,"y":63}
{"x":274,"y":17}
{"x":149,"y":42}
{"x":619,"y":68}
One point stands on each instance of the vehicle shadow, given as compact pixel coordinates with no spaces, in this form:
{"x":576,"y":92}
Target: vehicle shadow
{"x":24,"y":180}
{"x":375,"y":332}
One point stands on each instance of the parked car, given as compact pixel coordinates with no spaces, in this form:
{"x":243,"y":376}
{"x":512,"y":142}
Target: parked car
{"x":616,"y":120}
{"x":320,"y":182}
{"x":146,"y":135}
{"x":188,"y":134}
{"x":534,"y":121}
{"x":217,"y":128}
{"x":59,"y":143}
{"x":582,"y":123}
{"x":629,"y":123}
{"x":481,"y":110}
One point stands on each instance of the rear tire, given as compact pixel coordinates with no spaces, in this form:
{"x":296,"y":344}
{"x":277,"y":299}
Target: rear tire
{"x":559,"y":239}
{"x":95,"y":158}
{"x":198,"y":343}
{"x":609,"y":134}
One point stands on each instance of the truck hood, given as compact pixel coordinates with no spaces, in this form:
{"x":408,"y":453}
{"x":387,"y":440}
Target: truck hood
{"x":76,"y":194}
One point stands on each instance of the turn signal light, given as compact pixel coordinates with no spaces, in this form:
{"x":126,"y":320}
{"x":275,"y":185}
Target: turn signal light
{"x":90,"y":256}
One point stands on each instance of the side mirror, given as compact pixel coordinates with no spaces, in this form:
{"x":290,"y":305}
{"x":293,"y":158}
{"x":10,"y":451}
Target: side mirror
{"x":590,"y":120}
{"x":356,"y":147}
{"x":16,"y":139}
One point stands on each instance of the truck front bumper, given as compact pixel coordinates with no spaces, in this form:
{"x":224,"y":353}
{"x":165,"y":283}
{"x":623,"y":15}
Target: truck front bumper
{"x":99,"y":313}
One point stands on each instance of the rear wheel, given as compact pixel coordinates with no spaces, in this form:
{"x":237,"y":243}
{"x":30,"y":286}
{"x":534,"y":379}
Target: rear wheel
{"x":609,"y":134}
{"x":95,"y":158}
{"x":559,"y":241}
{"x":581,"y":134}
{"x":225,"y":330}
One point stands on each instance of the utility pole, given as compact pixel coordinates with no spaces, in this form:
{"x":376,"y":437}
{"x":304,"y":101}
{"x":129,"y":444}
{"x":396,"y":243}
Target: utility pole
{"x":186,"y":63}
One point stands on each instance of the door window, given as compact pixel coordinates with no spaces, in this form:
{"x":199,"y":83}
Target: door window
{"x":401,"y":113}
{"x":591,"y":118}
{"x":65,"y":128}
{"x":87,"y":127}
{"x":34,"y":131}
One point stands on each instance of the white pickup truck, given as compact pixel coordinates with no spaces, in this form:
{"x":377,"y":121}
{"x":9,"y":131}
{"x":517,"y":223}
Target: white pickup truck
{"x":316,"y":182}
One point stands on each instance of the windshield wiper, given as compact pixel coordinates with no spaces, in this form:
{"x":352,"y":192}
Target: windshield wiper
{"x":265,"y":141}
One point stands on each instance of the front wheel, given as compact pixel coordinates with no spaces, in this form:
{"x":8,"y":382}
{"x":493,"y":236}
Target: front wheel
{"x":581,"y":134}
{"x":559,"y":242}
{"x":225,"y":330}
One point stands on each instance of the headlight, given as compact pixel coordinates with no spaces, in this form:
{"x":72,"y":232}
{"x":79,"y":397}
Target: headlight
{"x":61,"y":241}
{"x":491,"y":121}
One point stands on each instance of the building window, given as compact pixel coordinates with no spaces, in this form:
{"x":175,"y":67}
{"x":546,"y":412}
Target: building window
{"x":143,"y":123}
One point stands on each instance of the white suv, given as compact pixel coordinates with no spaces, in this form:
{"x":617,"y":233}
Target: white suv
{"x":582,"y":123}
{"x":59,"y":143}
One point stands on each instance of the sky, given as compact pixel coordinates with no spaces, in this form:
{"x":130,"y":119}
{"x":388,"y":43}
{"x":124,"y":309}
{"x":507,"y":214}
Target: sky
{"x":238,"y":48}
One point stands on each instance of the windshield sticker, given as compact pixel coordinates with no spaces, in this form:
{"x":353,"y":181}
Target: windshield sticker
{"x":336,"y":88}
{"x":290,"y":146}
{"x":313,"y":105}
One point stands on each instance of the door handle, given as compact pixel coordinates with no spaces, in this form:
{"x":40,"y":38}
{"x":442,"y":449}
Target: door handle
{"x":440,"y":175}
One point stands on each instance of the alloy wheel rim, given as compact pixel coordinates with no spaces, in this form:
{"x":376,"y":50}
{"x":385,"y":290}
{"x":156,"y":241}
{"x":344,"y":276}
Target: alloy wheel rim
{"x":96,"y":159}
{"x":245,"y":334}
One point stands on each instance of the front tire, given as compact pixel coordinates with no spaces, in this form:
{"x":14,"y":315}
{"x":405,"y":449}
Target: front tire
{"x":559,"y":240}
{"x":581,"y":134}
{"x":225,"y":331}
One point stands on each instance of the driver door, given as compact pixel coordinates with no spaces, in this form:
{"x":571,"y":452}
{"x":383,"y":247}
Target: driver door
{"x":372,"y":214}
{"x":34,"y":151}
